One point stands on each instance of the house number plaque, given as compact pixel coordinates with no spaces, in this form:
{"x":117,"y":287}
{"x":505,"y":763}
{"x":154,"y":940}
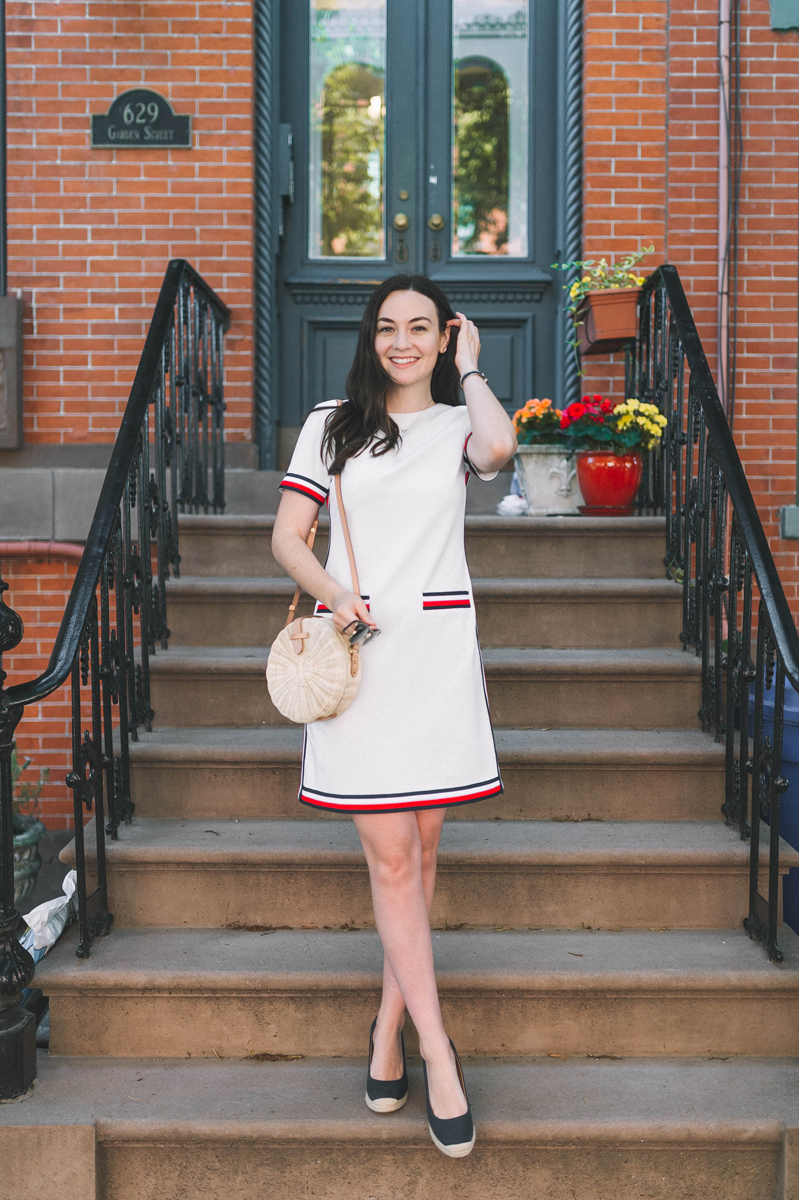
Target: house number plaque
{"x":141,"y":118}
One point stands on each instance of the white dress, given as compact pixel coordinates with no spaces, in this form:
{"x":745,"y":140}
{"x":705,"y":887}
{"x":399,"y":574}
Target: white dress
{"x":418,"y":733}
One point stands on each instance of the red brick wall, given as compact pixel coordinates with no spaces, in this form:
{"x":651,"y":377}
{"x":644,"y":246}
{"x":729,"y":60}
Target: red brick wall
{"x":91,"y":231}
{"x":648,"y":179}
{"x":38,"y":592}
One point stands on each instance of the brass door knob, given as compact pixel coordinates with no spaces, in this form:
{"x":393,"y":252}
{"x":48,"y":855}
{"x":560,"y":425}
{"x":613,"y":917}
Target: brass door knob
{"x":436,"y":222}
{"x":401,"y":222}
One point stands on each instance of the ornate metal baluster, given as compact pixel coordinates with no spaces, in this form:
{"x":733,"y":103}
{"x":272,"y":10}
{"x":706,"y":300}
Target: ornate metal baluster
{"x":17,"y":1026}
{"x":100,"y":916}
{"x":768,"y":785}
{"x":147,"y":639}
{"x":122,"y":670}
{"x":219,"y":413}
{"x":204,"y":391}
{"x":107,"y":677}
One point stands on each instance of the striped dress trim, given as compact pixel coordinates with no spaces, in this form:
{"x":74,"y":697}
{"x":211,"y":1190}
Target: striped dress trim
{"x":304,"y":485}
{"x":397,"y":801}
{"x":320,"y":608}
{"x":437,"y":600}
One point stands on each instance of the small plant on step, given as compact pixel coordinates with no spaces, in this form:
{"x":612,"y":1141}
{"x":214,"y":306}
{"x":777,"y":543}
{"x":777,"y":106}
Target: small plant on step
{"x":595,"y":423}
{"x":538,"y":424}
{"x":25,"y":796}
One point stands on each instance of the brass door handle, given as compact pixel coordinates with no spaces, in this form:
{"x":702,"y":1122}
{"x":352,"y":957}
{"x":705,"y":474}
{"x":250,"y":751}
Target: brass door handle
{"x":401,"y":222}
{"x":436,"y":222}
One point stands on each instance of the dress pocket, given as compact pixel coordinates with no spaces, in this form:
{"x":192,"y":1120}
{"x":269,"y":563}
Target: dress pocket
{"x":433,"y":601}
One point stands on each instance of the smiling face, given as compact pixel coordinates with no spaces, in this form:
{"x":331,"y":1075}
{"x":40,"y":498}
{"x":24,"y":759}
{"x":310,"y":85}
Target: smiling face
{"x":408,"y":340}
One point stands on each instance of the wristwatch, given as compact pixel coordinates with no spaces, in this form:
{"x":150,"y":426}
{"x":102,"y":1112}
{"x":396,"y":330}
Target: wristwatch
{"x":474,"y":372}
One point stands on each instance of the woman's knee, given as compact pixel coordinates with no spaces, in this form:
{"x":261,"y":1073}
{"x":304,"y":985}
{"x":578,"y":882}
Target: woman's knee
{"x":396,"y":865}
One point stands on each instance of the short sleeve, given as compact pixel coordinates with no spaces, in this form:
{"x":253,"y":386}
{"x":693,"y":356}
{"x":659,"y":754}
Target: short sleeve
{"x":307,"y":472}
{"x":471,"y":469}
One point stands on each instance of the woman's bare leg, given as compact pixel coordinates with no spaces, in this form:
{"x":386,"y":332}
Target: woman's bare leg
{"x":392,"y":843}
{"x":387,"y":1058}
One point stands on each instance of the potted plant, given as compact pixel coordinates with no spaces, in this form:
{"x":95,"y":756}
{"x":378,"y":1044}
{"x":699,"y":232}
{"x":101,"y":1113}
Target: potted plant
{"x":27,"y":828}
{"x":609,"y":441}
{"x":546,"y":475}
{"x":603,"y":302}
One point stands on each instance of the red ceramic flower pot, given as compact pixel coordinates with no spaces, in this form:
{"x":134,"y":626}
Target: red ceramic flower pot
{"x":609,"y":482}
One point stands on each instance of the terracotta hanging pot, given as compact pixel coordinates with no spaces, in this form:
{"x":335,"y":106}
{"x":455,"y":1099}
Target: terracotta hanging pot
{"x":608,"y":320}
{"x":609,"y":482}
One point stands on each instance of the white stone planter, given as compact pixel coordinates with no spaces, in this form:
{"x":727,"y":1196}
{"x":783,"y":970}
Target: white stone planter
{"x":548,"y":480}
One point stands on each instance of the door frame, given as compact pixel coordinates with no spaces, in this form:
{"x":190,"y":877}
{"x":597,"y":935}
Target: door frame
{"x":267,"y":204}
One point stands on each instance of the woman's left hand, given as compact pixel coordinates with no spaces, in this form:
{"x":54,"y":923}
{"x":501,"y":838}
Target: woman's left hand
{"x":467,"y":350}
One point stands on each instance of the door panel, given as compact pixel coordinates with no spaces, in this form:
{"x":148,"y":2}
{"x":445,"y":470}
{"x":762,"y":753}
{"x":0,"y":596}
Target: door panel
{"x":328,"y":347}
{"x":459,"y":99}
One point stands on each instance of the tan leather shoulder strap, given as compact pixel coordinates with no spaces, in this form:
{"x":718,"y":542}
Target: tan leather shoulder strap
{"x":356,"y":587}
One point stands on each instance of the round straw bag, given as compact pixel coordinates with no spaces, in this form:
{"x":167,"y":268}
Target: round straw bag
{"x":313,"y":673}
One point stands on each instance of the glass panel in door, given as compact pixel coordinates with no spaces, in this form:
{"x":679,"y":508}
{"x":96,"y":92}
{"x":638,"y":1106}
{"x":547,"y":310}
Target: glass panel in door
{"x":346,"y":169}
{"x":490,"y":103}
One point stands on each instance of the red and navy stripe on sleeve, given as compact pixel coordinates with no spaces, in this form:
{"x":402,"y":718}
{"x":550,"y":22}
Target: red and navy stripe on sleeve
{"x":304,"y":485}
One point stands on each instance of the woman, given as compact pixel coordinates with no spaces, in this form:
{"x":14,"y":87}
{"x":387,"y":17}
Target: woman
{"x":417,"y":739}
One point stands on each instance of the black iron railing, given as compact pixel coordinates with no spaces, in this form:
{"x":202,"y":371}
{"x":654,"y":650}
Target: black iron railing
{"x":168,"y":458}
{"x":735,"y":614}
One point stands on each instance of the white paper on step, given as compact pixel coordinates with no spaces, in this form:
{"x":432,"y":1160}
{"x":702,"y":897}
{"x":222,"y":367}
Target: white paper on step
{"x":48,"y":921}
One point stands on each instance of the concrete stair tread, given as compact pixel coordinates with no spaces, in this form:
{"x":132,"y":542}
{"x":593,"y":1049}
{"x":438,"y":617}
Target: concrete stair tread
{"x":671,"y":845}
{"x":533,"y":1100}
{"x":608,"y":664}
{"x":647,"y":747}
{"x":505,"y":588}
{"x":528,"y":961}
{"x":565,"y":526}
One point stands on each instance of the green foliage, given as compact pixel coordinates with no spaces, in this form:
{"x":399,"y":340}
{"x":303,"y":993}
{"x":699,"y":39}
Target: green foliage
{"x":594,"y":423}
{"x":596,"y":276}
{"x":481,"y":173}
{"x":352,"y":161}
{"x":538,"y":424}
{"x":25,"y":796}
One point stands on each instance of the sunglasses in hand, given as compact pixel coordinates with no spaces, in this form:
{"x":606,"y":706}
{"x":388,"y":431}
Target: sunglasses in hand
{"x":361,"y":634}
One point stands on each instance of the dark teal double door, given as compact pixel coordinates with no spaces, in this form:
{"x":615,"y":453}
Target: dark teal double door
{"x":423,"y":136}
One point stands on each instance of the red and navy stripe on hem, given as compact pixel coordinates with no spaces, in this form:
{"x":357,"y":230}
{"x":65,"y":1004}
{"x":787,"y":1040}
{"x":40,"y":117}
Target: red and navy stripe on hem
{"x":401,"y":801}
{"x":325,"y":611}
{"x":304,"y":485}
{"x":436,"y":600}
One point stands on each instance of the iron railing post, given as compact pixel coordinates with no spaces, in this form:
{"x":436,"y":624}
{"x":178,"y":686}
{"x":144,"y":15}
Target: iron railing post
{"x":17,"y":1026}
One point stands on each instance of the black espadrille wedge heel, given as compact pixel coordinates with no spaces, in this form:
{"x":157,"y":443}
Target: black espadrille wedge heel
{"x":385,"y":1095}
{"x":454,"y":1136}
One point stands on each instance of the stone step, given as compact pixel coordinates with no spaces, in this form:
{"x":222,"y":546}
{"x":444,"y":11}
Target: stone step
{"x":603,"y":547}
{"x":558,"y":774}
{"x":231,"y":993}
{"x":637,"y":689}
{"x":524,"y":874}
{"x":580,"y":613}
{"x":576,"y":1129}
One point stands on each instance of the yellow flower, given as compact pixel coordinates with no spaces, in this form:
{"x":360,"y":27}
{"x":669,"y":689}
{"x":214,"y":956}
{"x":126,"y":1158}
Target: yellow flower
{"x":640,"y":280}
{"x":585,"y":279}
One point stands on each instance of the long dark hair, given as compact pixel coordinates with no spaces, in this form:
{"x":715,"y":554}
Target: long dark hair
{"x":364,"y":419}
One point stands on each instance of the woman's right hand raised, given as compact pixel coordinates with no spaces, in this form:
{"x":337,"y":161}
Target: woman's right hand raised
{"x":347,"y":607}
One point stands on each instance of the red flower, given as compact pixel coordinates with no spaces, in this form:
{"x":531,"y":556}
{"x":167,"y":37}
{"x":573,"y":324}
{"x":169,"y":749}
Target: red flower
{"x":598,"y":399}
{"x":576,"y":410}
{"x":564,"y":421}
{"x":606,"y":406}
